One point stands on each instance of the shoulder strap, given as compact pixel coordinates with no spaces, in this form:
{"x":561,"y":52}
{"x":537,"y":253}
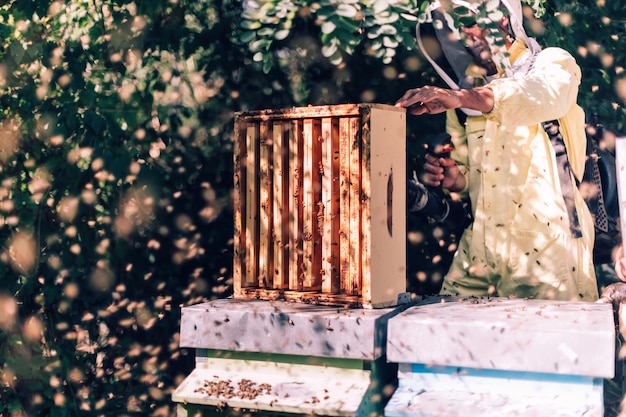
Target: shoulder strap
{"x":592,"y":174}
{"x":565,"y":174}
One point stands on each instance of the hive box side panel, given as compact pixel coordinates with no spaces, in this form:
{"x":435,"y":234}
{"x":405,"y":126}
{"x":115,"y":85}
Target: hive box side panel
{"x":320,"y":204}
{"x":238,"y":202}
{"x":385,"y":229}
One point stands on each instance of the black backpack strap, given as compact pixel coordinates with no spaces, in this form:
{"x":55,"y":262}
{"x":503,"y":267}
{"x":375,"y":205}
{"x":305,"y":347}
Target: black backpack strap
{"x":461,"y":116}
{"x":565,"y":174}
{"x":596,"y":203}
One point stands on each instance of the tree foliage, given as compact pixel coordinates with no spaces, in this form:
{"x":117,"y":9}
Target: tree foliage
{"x":380,"y":24}
{"x":114,"y":187}
{"x":116,"y":166}
{"x":590,"y":29}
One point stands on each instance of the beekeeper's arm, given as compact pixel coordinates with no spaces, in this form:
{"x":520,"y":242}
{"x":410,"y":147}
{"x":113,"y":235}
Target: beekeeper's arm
{"x":434,"y":100}
{"x":547,"y":92}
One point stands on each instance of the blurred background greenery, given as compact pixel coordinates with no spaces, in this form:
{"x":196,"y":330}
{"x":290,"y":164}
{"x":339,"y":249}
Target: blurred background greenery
{"x":116,"y":166}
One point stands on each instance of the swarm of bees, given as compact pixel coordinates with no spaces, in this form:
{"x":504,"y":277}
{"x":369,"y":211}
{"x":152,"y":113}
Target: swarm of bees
{"x":245,"y":389}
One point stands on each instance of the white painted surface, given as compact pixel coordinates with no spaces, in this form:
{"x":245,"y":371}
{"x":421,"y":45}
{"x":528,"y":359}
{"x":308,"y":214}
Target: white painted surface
{"x":408,"y":402}
{"x":244,"y":325}
{"x":573,"y":338}
{"x":279,"y":387}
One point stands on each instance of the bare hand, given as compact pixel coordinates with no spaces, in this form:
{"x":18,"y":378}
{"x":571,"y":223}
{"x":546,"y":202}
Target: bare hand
{"x":444,"y":172}
{"x":429,"y":100}
{"x":614,"y":293}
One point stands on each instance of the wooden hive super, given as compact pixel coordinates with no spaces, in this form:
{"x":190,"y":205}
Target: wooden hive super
{"x":320,"y":206}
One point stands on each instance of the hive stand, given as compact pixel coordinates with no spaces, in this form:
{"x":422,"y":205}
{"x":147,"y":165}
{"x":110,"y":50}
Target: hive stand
{"x":279,"y":357}
{"x":501,"y":357}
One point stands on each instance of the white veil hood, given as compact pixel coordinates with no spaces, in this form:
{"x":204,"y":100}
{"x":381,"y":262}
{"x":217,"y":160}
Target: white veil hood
{"x":452,"y":59}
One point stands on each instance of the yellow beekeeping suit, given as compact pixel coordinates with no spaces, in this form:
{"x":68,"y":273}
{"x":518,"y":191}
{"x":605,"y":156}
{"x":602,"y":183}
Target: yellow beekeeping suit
{"x":520,"y":242}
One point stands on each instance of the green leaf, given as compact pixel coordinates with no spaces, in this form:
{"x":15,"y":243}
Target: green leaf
{"x":488,"y":23}
{"x":376,"y":44}
{"x":388,"y":30}
{"x":345,"y":37}
{"x":58,"y":411}
{"x":266,"y":32}
{"x":267,"y":66}
{"x":17,"y":51}
{"x":330,"y":49}
{"x":346,"y":10}
{"x":94,"y":122}
{"x":380,"y":6}
{"x":409,"y":43}
{"x":250,"y":24}
{"x":281,"y":34}
{"x":35,"y":50}
{"x":328,"y":27}
{"x":374,"y":33}
{"x":348,"y":25}
{"x":247,"y":37}
{"x":387,"y":18}
{"x":261,"y":44}
{"x":325,"y":12}
{"x":336,"y":59}
{"x":15,"y":406}
{"x":467,"y":20}
{"x":390,"y":42}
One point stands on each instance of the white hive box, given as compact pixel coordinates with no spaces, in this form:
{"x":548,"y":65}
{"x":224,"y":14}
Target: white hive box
{"x":285,"y":357}
{"x":501,"y":357}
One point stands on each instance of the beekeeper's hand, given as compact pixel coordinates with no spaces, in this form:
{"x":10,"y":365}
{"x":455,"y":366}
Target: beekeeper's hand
{"x":444,"y":172}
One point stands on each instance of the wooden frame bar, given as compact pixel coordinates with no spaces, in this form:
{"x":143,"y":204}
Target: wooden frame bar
{"x":280,"y":210}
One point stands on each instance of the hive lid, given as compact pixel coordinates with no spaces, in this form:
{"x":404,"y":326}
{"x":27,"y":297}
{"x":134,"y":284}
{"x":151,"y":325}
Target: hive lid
{"x":277,"y":327}
{"x":576,"y":338}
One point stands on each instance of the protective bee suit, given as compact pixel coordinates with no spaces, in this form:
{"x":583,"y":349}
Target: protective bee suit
{"x":520,"y":243}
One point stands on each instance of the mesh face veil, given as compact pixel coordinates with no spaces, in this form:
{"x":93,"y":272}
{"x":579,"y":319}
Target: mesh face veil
{"x":441,"y":44}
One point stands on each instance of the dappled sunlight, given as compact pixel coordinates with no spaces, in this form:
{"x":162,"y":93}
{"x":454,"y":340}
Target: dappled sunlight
{"x":213,"y":206}
{"x":415,"y":237}
{"x":565,"y":19}
{"x":588,"y":190}
{"x":39,"y":184}
{"x":101,"y":278}
{"x":3,"y":75}
{"x":23,"y":253}
{"x":620,"y":88}
{"x":137,"y":211}
{"x":67,"y":209}
{"x":8,"y":310}
{"x":187,"y":249}
{"x":9,"y":139}
{"x":127,"y":90}
{"x":32,"y":329}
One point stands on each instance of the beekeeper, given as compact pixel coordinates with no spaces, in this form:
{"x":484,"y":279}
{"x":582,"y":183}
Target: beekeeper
{"x":532,"y":234}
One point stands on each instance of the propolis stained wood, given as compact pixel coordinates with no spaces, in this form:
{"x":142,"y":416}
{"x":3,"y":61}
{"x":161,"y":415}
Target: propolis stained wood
{"x":320,"y":204}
